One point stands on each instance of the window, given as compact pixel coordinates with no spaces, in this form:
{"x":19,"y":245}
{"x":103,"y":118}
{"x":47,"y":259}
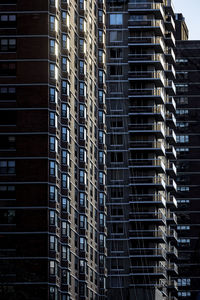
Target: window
{"x":82,"y":133}
{"x":66,"y":204}
{"x":52,"y":168}
{"x":101,"y":36}
{"x":65,"y":42}
{"x":82,"y":111}
{"x":83,"y":244}
{"x":7,"y":167}
{"x":65,"y":134}
{"x":81,"y":24}
{"x":83,"y":222}
{"x":53,"y":119}
{"x":101,"y":77}
{"x":53,"y":193}
{"x":116,"y":70}
{"x":82,"y":89}
{"x":65,"y":88}
{"x":53,"y":218}
{"x":8,"y":45}
{"x":101,"y":97}
{"x":101,"y":157}
{"x":65,"y":111}
{"x":53,"y":144}
{"x":65,"y":181}
{"x":81,"y":4}
{"x":82,"y":199}
{"x":101,"y":16}
{"x":82,"y":46}
{"x":52,"y":242}
{"x":82,"y":155}
{"x":116,"y":19}
{"x":182,"y":100}
{"x":182,"y":138}
{"x":65,"y":64}
{"x":102,"y":178}
{"x":52,"y":21}
{"x":65,"y":18}
{"x":184,"y":281}
{"x":115,"y":36}
{"x":65,"y":157}
{"x":101,"y":137}
{"x":53,"y":95}
{"x":5,"y":19}
{"x":182,"y":87}
{"x":183,"y":242}
{"x":184,"y":294}
{"x":83,"y":177}
{"x":182,"y":112}
{"x":183,"y":188}
{"x":115,"y":52}
{"x":101,"y":199}
{"x":7,"y":69}
{"x":52,"y":70}
{"x":183,"y":227}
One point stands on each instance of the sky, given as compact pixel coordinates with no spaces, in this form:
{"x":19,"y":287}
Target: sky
{"x":191,"y":11}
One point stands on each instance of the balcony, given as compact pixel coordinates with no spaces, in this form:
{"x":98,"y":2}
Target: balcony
{"x":151,"y":164}
{"x":155,"y":235}
{"x":155,"y":182}
{"x":147,"y":24}
{"x":169,"y":23}
{"x":155,"y":271}
{"x":171,"y":104}
{"x":171,"y":218}
{"x":171,"y":152}
{"x":171,"y":169}
{"x":170,"y":72}
{"x":154,"y":217}
{"x":170,"y":56}
{"x":156,"y":77}
{"x":158,"y":60}
{"x":156,"y":94}
{"x":150,"y":41}
{"x":150,"y":111}
{"x":172,"y":251}
{"x":171,"y":234}
{"x":148,"y":199}
{"x":172,"y":284}
{"x":171,"y":201}
{"x":151,"y":146}
{"x":170,"y":40}
{"x":171,"y":136}
{"x":171,"y":120}
{"x":148,"y":253}
{"x":151,"y":8}
{"x":169,"y":7}
{"x":171,"y":88}
{"x":157,"y":129}
{"x":172,"y":269}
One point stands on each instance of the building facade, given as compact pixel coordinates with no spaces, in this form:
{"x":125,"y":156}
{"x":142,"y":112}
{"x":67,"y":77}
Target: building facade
{"x":141,"y":138}
{"x":52,"y":150}
{"x":188,"y":149}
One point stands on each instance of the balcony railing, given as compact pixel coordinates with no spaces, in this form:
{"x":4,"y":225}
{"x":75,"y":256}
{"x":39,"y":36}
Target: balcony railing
{"x":147,"y":75}
{"x":148,"y":199}
{"x":155,"y":163}
{"x":151,"y":216}
{"x":148,"y":145}
{"x":147,"y":57}
{"x":149,"y":40}
{"x":145,"y":23}
{"x":146,"y":127}
{"x":147,"y":252}
{"x":138,"y":6}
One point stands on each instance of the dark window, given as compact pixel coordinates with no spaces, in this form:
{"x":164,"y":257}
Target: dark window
{"x":7,"y":69}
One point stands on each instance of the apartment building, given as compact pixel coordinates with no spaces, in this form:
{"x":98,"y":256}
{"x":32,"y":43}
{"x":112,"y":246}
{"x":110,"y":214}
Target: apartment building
{"x":141,"y":150}
{"x":52,"y":150}
{"x":188,"y":147}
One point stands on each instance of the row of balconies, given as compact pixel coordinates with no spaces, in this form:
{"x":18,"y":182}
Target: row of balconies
{"x":156,"y":111}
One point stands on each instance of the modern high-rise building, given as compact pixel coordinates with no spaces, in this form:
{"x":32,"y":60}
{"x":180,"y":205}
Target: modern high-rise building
{"x":141,"y":138}
{"x":52,"y":150}
{"x":188,"y":150}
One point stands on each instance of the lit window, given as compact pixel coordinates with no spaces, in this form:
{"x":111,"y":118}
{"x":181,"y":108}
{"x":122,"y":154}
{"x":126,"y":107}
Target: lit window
{"x":7,"y":44}
{"x":184,"y":294}
{"x":116,"y":19}
{"x":182,"y":138}
{"x":184,"y":281}
{"x":7,"y":167}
